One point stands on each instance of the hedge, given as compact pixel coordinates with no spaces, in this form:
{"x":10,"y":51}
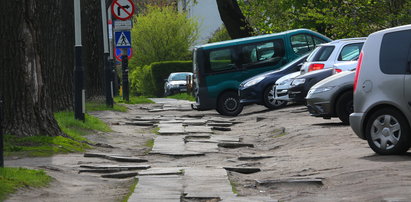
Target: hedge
{"x":149,"y":80}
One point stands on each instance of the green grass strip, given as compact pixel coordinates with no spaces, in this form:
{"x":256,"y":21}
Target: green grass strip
{"x":11,"y":179}
{"x":182,"y":96}
{"x":131,"y":190}
{"x":98,"y":106}
{"x":134,"y":100}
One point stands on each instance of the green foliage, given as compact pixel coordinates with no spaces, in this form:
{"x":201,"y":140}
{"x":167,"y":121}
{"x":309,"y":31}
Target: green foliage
{"x":98,"y":106}
{"x":11,"y":179}
{"x":335,"y":18}
{"x":182,"y":96}
{"x":162,"y":34}
{"x":134,"y":100}
{"x":221,"y":34}
{"x":149,"y":80}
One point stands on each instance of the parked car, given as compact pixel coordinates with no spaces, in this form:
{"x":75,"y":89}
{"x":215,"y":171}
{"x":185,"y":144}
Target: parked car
{"x":382,"y":91}
{"x":330,"y":54}
{"x":176,"y":83}
{"x":332,"y":97}
{"x":259,"y":89}
{"x":219,"y":68}
{"x":282,"y":85}
{"x":302,"y":84}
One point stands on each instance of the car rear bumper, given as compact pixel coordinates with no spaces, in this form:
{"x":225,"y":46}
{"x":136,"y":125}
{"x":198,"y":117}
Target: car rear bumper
{"x":356,"y":123}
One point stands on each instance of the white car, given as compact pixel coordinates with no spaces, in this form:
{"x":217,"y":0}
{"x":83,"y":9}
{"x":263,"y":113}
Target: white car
{"x":330,"y":54}
{"x":282,"y":85}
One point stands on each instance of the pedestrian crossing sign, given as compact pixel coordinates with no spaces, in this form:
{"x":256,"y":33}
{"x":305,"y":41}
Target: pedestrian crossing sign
{"x":123,"y":39}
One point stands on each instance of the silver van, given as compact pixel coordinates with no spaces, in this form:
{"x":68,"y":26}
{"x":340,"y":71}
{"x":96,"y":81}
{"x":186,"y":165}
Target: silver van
{"x":382,"y":91}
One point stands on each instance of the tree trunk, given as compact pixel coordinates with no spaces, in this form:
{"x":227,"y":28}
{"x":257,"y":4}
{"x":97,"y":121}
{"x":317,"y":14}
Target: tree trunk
{"x":26,"y":110}
{"x":233,"y":19}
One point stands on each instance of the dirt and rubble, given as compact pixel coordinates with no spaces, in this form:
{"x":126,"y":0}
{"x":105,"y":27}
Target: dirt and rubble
{"x":283,"y":155}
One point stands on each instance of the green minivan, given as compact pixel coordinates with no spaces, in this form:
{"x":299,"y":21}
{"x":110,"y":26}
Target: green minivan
{"x":219,"y":68}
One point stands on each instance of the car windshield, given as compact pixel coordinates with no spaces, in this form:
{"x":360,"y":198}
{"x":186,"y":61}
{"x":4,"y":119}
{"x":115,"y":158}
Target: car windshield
{"x":321,"y":53}
{"x":178,"y":77}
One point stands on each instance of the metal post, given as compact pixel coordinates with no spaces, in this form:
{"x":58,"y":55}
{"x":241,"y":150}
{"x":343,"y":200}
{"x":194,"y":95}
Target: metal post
{"x":79,"y":92}
{"x":124,"y":60}
{"x":107,"y":70}
{"x":1,"y":135}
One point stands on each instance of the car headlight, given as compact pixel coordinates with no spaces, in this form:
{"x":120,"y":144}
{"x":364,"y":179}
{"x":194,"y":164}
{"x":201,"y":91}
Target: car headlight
{"x":297,"y":82}
{"x":284,"y":82}
{"x":320,"y":90}
{"x":253,"y":82}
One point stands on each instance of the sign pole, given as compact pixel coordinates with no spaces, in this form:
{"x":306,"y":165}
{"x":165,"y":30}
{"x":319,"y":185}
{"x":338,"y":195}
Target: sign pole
{"x":79,"y":92}
{"x":107,"y":69}
{"x":124,"y":62}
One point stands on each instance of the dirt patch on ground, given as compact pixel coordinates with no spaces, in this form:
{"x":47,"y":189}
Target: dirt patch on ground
{"x":305,"y":159}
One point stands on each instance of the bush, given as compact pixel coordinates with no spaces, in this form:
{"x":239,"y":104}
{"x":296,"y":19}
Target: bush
{"x":149,"y":80}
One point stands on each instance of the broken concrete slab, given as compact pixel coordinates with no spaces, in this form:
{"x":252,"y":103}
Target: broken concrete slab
{"x":198,"y":135}
{"x":116,"y":157}
{"x":120,"y":175}
{"x":158,"y":188}
{"x":198,"y":129}
{"x":162,"y":171}
{"x":117,"y":167}
{"x":194,"y":122}
{"x":313,"y":181}
{"x":221,"y":128}
{"x":233,"y":145}
{"x":173,"y":146}
{"x":256,"y":157}
{"x":221,"y":124}
{"x":243,"y":170}
{"x":140,"y":123}
{"x":214,"y":139}
{"x":202,"y":147}
{"x":250,"y":198}
{"x":98,"y":171}
{"x":171,"y":129}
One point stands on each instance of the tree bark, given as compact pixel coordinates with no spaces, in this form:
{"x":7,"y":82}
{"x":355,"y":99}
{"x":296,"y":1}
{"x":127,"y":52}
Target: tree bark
{"x":233,"y":19}
{"x":26,"y":109}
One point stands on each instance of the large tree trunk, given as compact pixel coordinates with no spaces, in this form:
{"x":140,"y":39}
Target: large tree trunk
{"x":234,"y":20}
{"x":23,"y":88}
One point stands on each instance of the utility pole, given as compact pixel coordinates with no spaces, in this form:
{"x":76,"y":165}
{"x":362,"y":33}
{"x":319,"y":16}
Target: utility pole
{"x":124,"y":61}
{"x":107,"y":69}
{"x":1,"y":135}
{"x":79,"y":92}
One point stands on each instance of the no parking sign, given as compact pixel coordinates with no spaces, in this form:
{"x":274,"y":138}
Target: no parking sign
{"x":118,"y":53}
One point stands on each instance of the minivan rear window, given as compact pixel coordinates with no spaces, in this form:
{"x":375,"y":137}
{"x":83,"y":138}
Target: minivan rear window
{"x":395,"y":52}
{"x":221,"y":60}
{"x":322,"y":54}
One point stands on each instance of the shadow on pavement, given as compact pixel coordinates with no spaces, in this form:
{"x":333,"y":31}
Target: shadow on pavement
{"x":388,"y":158}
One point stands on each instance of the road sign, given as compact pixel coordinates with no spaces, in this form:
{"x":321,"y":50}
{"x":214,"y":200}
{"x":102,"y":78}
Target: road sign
{"x":119,"y":53}
{"x":122,"y":25}
{"x":123,"y":39}
{"x":122,"y":9}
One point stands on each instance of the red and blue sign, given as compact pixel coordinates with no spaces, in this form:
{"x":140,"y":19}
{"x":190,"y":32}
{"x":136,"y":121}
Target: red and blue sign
{"x":118,"y":53}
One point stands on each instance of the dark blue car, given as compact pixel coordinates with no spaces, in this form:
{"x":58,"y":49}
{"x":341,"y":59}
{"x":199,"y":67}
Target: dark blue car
{"x":259,"y":89}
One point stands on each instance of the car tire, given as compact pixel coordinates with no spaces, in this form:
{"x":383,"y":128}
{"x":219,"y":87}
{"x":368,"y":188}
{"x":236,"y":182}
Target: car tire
{"x":345,"y":106}
{"x":269,"y":100}
{"x":387,"y":132}
{"x":229,"y":104}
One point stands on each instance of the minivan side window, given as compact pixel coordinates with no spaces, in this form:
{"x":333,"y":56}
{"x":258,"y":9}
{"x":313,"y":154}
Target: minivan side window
{"x":303,"y":43}
{"x":271,"y":52}
{"x":350,"y":52}
{"x":395,"y":52}
{"x":221,"y":60}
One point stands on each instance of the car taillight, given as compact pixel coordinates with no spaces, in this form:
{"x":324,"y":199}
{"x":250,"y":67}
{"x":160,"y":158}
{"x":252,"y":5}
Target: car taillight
{"x":338,"y":70}
{"x":315,"y":66}
{"x":357,"y":71}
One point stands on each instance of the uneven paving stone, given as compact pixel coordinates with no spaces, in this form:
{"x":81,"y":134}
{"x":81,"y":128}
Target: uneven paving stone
{"x":243,"y":170}
{"x":98,"y":171}
{"x":173,"y":146}
{"x":221,"y":128}
{"x":198,"y":135}
{"x":116,"y":167}
{"x":202,"y":147}
{"x":194,"y":115}
{"x":257,"y":157}
{"x":198,"y":129}
{"x":313,"y":181}
{"x":140,"y":123}
{"x":206,"y":183}
{"x":195,"y":122}
{"x":171,"y":129}
{"x":221,"y":124}
{"x":233,"y":145}
{"x":116,"y":157}
{"x":214,"y":139}
{"x":170,"y":122}
{"x":162,"y":171}
{"x":250,"y":199}
{"x":120,"y":175}
{"x":158,"y":188}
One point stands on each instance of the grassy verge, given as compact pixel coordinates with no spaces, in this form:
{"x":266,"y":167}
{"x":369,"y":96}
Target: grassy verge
{"x":47,"y":146}
{"x":12,"y":179}
{"x":132,"y":188}
{"x":134,"y":100}
{"x":97,"y":106}
{"x":233,"y":187}
{"x":182,"y":96}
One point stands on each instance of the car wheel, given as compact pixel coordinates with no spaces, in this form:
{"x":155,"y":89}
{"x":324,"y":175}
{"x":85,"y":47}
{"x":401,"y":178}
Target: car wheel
{"x":229,"y":104}
{"x":345,"y":106}
{"x":388,"y":132}
{"x":269,"y":100}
